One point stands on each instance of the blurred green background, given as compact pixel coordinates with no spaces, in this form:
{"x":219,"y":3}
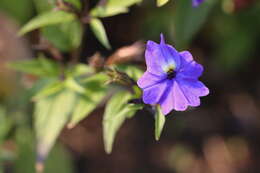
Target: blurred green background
{"x":221,"y":136}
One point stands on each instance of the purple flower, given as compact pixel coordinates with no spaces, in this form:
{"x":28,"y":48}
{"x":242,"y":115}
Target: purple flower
{"x":196,"y":3}
{"x":171,"y":78}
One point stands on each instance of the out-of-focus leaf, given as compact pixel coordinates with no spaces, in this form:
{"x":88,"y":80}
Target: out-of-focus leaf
{"x":133,"y":71}
{"x":19,"y":10}
{"x":94,"y":93}
{"x":66,"y":36}
{"x":47,"y":18}
{"x":159,"y":122}
{"x":25,"y":162}
{"x":161,"y":2}
{"x":99,"y":31}
{"x":120,"y":3}
{"x":72,"y":84}
{"x":188,"y":20}
{"x":49,"y":66}
{"x":5,"y":124}
{"x":235,"y":39}
{"x":43,"y":5}
{"x":39,"y":67}
{"x":59,"y":156}
{"x":116,"y":112}
{"x":81,"y":70}
{"x":76,"y":3}
{"x":50,"y":116}
{"x":107,"y":11}
{"x":51,"y":88}
{"x":113,"y":7}
{"x":235,"y":51}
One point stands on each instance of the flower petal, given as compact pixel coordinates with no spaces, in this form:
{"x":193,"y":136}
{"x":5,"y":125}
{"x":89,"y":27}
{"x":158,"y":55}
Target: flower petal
{"x":171,"y":54}
{"x":186,"y":56}
{"x":148,"y":79}
{"x":191,"y":70}
{"x":154,"y":58}
{"x":174,"y":99}
{"x":193,"y":87}
{"x":193,"y":99}
{"x":180,"y":101}
{"x":152,"y":95}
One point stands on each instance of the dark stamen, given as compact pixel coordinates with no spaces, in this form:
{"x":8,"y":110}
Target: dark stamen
{"x":171,"y":74}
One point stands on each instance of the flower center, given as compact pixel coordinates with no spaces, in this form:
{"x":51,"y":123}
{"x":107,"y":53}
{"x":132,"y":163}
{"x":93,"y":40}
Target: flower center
{"x":171,"y":74}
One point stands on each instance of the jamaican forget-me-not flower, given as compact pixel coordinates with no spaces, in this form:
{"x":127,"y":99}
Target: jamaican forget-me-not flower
{"x":171,"y":78}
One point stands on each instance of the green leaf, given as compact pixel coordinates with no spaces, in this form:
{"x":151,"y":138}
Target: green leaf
{"x":95,"y":91}
{"x":66,"y":36}
{"x":133,"y":71}
{"x":43,"y":5}
{"x":99,"y":31}
{"x":39,"y":67}
{"x":51,"y":88}
{"x":21,"y":11}
{"x":161,"y":2}
{"x":188,"y":20}
{"x":76,"y":3}
{"x":72,"y":84}
{"x":113,"y":7}
{"x":107,"y":11}
{"x":5,"y":124}
{"x":46,"y":19}
{"x":159,"y":122}
{"x":116,"y":112}
{"x":50,"y":116}
{"x":120,"y":3}
{"x":81,"y":70}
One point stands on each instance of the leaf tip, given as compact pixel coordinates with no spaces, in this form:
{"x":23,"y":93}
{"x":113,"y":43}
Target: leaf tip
{"x":108,"y":150}
{"x":161,"y":3}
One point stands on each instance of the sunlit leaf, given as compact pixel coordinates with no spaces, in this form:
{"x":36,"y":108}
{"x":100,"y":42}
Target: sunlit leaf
{"x":72,"y":84}
{"x":116,"y":112}
{"x":81,"y":70}
{"x":107,"y":11}
{"x":51,"y":88}
{"x":50,"y":116}
{"x":161,"y":2}
{"x":159,"y":122}
{"x":120,"y":3}
{"x":94,"y":93}
{"x":47,"y":18}
{"x":99,"y":31}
